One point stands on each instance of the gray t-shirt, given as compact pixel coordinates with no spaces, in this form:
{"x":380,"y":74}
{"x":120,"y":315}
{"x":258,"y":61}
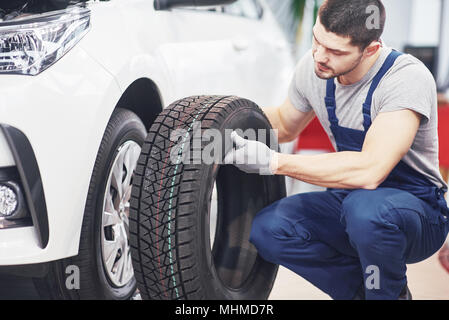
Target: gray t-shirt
{"x":407,"y":85}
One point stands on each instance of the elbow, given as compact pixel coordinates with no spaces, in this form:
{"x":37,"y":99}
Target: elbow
{"x":371,"y":186}
{"x":369,"y":178}
{"x":373,"y":181}
{"x":373,"y":172}
{"x":364,"y":185}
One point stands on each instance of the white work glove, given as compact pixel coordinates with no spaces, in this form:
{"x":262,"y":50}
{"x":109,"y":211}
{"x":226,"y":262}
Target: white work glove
{"x":251,"y":156}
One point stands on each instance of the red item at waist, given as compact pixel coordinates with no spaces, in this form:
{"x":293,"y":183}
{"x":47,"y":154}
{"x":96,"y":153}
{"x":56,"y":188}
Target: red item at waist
{"x":314,"y":138}
{"x":443,"y":134}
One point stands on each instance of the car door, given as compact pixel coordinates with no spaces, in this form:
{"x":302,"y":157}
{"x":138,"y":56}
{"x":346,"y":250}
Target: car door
{"x":205,"y":56}
{"x":236,"y":49}
{"x":268,"y":61}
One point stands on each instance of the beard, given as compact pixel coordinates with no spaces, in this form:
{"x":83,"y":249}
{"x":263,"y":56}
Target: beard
{"x":326,"y":75}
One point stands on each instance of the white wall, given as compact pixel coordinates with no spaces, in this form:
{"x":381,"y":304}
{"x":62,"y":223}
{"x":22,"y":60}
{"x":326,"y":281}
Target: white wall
{"x":425,"y":23}
{"x":397,"y":27}
{"x":417,"y":23}
{"x":443,"y":70}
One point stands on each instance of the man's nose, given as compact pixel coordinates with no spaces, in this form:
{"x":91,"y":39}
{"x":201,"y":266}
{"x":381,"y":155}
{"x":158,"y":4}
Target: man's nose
{"x":320,"y":55}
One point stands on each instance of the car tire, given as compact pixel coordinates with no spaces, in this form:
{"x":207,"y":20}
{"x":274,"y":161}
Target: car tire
{"x":123,"y":138}
{"x":175,"y":254}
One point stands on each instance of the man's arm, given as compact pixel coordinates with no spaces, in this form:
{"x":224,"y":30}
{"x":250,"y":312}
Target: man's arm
{"x":390,"y":137}
{"x":289,"y":121}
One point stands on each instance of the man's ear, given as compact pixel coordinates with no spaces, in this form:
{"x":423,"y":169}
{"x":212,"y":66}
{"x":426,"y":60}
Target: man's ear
{"x":372,"y":49}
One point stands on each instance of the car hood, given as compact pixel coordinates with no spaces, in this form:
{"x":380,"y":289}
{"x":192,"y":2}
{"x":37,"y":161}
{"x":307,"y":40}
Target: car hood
{"x":13,"y":9}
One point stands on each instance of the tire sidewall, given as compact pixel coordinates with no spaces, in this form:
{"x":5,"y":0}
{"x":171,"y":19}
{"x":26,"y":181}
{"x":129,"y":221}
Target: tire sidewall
{"x":131,"y":130}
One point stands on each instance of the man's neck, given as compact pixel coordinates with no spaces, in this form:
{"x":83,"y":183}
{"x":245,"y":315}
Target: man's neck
{"x":362,"y":69}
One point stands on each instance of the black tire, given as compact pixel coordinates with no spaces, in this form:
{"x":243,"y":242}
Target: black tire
{"x":170,"y":207}
{"x":123,"y":126}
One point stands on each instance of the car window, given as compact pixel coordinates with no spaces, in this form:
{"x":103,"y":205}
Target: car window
{"x":245,"y":8}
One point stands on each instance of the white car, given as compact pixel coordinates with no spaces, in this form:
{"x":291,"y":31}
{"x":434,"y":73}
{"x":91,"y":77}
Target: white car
{"x":80,"y":85}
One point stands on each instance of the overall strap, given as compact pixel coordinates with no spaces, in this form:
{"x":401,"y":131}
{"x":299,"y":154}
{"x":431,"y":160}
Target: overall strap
{"x":389,"y":62}
{"x":330,"y":102}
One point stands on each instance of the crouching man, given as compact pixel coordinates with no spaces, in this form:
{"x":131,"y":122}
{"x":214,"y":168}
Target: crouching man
{"x":384,"y":206}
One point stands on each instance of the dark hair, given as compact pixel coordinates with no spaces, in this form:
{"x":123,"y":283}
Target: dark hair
{"x":351,"y":18}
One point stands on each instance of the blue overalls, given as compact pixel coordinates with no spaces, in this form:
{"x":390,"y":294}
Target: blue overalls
{"x":341,"y":239}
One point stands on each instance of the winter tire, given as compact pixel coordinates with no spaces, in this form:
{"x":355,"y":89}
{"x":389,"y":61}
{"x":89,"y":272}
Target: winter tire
{"x":176,"y":253}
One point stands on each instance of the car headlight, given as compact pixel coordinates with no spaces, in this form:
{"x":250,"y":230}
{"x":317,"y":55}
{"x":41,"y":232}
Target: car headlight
{"x":30,"y":45}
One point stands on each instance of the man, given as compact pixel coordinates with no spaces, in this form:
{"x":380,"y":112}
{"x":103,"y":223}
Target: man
{"x":384,"y":206}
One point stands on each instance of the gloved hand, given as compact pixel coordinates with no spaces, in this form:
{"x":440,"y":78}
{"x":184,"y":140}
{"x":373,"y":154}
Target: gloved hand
{"x":251,"y":156}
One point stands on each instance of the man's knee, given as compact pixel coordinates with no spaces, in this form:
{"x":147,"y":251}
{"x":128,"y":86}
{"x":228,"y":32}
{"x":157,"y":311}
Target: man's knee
{"x":269,"y":233}
{"x":288,"y":224}
{"x":366,"y":214}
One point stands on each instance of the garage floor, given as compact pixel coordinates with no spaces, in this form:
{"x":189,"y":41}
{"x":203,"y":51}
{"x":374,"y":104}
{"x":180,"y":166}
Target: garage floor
{"x":428,"y":280}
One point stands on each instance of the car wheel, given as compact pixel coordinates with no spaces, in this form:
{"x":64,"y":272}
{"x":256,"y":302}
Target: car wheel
{"x":104,"y":262}
{"x":190,"y":222}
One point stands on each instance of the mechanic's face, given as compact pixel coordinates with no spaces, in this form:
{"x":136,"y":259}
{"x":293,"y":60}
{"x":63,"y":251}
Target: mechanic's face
{"x":334,"y":55}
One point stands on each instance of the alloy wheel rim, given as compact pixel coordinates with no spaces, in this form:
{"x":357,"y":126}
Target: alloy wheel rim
{"x":115,"y":248}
